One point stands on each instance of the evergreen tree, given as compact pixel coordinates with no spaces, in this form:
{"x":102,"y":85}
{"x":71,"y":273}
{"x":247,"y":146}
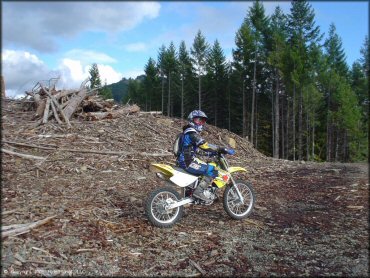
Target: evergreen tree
{"x":216,"y":77}
{"x":95,"y":81}
{"x":278,"y":46}
{"x":242,"y":57}
{"x":186,"y":76}
{"x":364,"y":60}
{"x":170,"y":65}
{"x":160,"y":65}
{"x":304,"y":36}
{"x":150,"y":85}
{"x":134,"y":93}
{"x":199,"y":52}
{"x":259,"y":27}
{"x":337,"y":67}
{"x":335,"y":53}
{"x":105,"y":91}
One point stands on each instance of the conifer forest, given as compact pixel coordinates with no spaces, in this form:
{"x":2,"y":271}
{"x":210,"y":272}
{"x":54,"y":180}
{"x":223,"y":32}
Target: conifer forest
{"x":288,"y":87}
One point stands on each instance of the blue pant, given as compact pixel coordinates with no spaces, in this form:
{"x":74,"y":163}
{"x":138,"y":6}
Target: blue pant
{"x":198,"y":167}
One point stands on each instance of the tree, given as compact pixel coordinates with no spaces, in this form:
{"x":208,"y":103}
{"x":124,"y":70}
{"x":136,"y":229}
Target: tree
{"x":150,"y":85}
{"x":185,"y":71}
{"x":336,"y":57}
{"x":170,"y":67}
{"x":278,"y":46}
{"x":216,"y":76}
{"x":160,"y":65}
{"x":242,"y":55}
{"x":259,"y":27}
{"x":95,"y":81}
{"x":304,"y":36}
{"x":337,"y":68}
{"x":105,"y":91}
{"x":199,"y":52}
{"x":364,"y":60}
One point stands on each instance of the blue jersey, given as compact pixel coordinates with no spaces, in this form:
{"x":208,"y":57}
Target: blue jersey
{"x":190,"y":144}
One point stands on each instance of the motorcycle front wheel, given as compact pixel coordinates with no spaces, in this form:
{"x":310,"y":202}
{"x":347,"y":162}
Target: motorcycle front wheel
{"x":232,"y":204}
{"x":155,"y":207}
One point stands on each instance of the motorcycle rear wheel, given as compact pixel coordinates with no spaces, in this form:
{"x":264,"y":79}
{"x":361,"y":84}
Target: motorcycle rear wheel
{"x":232,"y":205}
{"x":155,"y":207}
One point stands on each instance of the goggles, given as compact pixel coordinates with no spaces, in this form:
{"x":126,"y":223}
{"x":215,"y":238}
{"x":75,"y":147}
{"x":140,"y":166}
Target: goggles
{"x":199,"y":121}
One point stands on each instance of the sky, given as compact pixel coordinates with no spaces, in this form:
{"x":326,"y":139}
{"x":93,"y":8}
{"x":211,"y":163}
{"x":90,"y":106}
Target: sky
{"x":44,"y":40}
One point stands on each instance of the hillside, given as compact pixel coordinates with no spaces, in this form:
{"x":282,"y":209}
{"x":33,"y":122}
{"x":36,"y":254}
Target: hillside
{"x":120,"y":88}
{"x":310,"y":219}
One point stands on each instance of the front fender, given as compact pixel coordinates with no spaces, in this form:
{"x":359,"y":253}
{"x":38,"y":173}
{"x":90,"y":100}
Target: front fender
{"x":236,"y":169}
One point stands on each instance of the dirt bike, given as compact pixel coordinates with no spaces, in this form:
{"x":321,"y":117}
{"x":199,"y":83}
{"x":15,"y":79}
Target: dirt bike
{"x":164,"y":207}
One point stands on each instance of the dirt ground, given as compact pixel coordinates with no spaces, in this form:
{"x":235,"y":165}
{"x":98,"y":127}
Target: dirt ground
{"x":310,"y":219}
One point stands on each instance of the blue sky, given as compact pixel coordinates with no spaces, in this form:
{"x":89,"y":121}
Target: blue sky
{"x":41,"y":40}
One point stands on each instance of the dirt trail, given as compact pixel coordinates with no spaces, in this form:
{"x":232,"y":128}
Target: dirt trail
{"x":310,"y":218}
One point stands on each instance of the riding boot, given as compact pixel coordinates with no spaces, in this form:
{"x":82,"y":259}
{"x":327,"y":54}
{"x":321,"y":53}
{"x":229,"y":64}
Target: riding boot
{"x":199,"y":190}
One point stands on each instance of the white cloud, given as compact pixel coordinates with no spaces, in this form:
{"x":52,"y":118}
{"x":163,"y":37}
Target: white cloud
{"x":107,"y":73}
{"x":135,"y":47}
{"x":22,"y":70}
{"x":89,"y":56}
{"x":40,"y":24}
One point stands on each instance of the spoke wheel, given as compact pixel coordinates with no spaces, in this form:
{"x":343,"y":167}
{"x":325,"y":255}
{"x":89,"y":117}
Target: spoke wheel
{"x":232,"y":204}
{"x":156,"y":207}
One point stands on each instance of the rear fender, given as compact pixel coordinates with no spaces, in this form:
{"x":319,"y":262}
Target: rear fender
{"x":164,"y":169}
{"x":179,"y":178}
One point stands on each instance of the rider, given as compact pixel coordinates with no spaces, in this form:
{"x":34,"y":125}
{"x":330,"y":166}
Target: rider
{"x":191,"y":142}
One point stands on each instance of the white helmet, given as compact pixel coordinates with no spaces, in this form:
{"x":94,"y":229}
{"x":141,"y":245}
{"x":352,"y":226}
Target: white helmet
{"x":197,"y":119}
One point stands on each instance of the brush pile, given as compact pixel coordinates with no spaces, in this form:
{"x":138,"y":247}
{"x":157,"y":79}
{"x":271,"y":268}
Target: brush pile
{"x":60,"y":105}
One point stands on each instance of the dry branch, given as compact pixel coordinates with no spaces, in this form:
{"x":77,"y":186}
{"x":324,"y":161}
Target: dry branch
{"x":28,"y":156}
{"x":46,"y":111}
{"x":83,"y":151}
{"x":55,"y":102}
{"x":197,"y":266}
{"x":21,"y":228}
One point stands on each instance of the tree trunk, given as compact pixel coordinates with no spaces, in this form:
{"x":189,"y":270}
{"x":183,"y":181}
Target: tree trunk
{"x":244,"y":130}
{"x":182,"y":98}
{"x":199,"y":93}
{"x":253,"y":94}
{"x":282,"y":128}
{"x":328,"y":126}
{"x":287,"y":128}
{"x":2,"y":87}
{"x":277,"y":118}
{"x":313,"y":139}
{"x":273,"y":119}
{"x":74,"y":103}
{"x":293,"y":122}
{"x":162,"y":92}
{"x":300,"y":124}
{"x":307,"y":137}
{"x":169,"y":96}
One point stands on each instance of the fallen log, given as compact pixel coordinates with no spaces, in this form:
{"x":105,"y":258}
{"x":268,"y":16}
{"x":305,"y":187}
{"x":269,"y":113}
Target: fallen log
{"x":89,"y":151}
{"x":46,"y":111}
{"x":55,"y":102}
{"x":56,"y":113}
{"x":41,"y":103}
{"x":23,"y":228}
{"x":95,"y":116}
{"x":151,"y":112}
{"x":76,"y":100}
{"x":28,"y":156}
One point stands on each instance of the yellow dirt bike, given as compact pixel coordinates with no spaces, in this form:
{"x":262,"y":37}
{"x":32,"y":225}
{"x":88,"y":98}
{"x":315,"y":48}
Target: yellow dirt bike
{"x":164,"y":206}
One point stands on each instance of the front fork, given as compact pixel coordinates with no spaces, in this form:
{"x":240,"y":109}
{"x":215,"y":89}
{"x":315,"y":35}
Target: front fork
{"x":237,"y":190}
